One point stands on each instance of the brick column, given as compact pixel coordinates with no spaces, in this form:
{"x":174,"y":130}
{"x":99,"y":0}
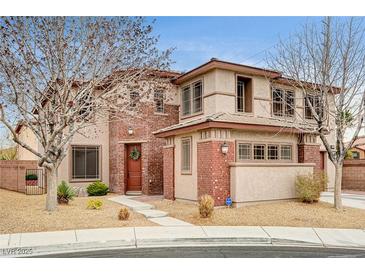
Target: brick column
{"x":168,"y":172}
{"x":213,"y":170}
{"x":310,"y":153}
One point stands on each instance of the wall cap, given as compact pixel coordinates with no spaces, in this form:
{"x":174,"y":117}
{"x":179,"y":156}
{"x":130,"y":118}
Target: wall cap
{"x":239,"y":164}
{"x":169,"y":146}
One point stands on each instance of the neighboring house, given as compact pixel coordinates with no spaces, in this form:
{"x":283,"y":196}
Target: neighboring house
{"x":358,"y":148}
{"x":232,"y":130}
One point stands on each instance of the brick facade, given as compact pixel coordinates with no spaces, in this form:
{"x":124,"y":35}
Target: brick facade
{"x":310,"y":153}
{"x":168,"y":172}
{"x":151,"y":154}
{"x":353,"y":175}
{"x":213,"y":170}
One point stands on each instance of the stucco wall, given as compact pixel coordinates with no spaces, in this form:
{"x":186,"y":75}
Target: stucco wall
{"x":27,"y":136}
{"x":95,"y":135}
{"x":186,"y":184}
{"x":251,"y":182}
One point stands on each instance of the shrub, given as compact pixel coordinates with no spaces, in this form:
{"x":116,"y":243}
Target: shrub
{"x":123,"y":214}
{"x":206,"y":206}
{"x":309,"y":187}
{"x":94,"y":204}
{"x":31,"y":177}
{"x":97,"y":189}
{"x":65,"y":193}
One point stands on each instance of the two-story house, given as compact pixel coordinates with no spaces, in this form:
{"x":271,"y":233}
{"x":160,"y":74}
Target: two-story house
{"x":241,"y":133}
{"x":231,"y":130}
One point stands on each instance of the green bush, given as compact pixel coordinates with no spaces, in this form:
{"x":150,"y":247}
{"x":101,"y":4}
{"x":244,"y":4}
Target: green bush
{"x":65,"y":193}
{"x":94,"y":204}
{"x":309,"y":187}
{"x":97,"y":189}
{"x":206,"y":206}
{"x":30,"y":177}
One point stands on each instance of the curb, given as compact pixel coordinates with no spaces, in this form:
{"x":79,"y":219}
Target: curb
{"x":48,"y":243}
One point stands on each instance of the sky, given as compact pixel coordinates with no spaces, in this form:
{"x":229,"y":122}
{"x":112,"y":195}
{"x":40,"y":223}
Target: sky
{"x":238,"y":39}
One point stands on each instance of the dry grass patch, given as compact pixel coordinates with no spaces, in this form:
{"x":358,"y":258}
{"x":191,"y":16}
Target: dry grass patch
{"x":26,"y":213}
{"x":269,"y":214}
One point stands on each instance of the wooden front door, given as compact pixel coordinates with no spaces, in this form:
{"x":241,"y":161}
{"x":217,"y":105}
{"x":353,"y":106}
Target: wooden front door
{"x":134,"y":169}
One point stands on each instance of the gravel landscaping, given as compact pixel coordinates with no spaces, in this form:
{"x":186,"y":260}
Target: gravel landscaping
{"x":270,"y":214}
{"x":26,"y":213}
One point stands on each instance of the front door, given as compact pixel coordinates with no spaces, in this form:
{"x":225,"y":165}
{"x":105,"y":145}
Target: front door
{"x":134,"y":167}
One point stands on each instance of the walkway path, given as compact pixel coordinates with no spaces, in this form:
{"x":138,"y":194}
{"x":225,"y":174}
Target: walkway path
{"x":153,"y":215}
{"x":348,"y":199}
{"x":57,"y":242}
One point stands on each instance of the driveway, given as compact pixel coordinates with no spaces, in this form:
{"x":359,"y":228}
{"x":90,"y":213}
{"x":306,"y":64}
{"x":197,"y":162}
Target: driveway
{"x":356,"y":200}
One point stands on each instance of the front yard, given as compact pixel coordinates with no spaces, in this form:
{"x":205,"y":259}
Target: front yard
{"x":26,"y":213}
{"x":270,"y":214}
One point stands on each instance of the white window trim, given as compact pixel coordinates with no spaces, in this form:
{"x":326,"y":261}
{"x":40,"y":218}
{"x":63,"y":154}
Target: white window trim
{"x":191,"y":86}
{"x":189,"y":171}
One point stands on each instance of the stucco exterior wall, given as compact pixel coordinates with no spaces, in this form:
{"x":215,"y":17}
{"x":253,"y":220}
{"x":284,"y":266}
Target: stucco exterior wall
{"x":94,"y":135}
{"x":26,"y":135}
{"x":253,"y":182}
{"x":186,"y":184}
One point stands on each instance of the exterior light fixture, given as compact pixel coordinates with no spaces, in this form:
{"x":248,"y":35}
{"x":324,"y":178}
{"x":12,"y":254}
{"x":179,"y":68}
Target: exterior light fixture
{"x":130,"y":130}
{"x":224,"y":148}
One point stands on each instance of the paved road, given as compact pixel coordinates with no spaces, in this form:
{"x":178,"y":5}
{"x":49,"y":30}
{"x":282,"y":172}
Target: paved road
{"x":218,"y":252}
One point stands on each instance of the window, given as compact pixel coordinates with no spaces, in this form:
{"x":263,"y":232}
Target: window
{"x":192,"y":98}
{"x":286,"y":152}
{"x":186,"y":155}
{"x":240,"y":95}
{"x":273,"y":152}
{"x":133,"y":97}
{"x":197,"y":97}
{"x":85,"y":162}
{"x":259,"y":152}
{"x":355,"y":155}
{"x":186,"y":103}
{"x":244,"y":94}
{"x":315,"y":102}
{"x":283,"y":102}
{"x":244,"y":151}
{"x":158,"y":97}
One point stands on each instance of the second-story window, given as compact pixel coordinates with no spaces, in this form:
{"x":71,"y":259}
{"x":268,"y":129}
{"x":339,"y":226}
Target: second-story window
{"x":197,"y":97}
{"x":244,"y":98}
{"x":240,"y":95}
{"x":315,"y":102}
{"x":186,"y":103}
{"x":158,"y":97}
{"x":192,"y":98}
{"x":283,"y":102}
{"x":134,"y":98}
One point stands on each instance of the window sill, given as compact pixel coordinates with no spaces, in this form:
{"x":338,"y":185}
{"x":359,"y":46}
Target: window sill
{"x":160,"y":114}
{"x":186,"y":173}
{"x":191,"y":115}
{"x":84,"y":180}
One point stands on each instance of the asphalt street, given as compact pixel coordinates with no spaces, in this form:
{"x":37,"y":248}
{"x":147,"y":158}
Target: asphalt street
{"x":218,"y":252}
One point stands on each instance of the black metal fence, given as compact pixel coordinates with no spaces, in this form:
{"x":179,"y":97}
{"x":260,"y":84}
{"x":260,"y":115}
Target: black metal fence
{"x":35,"y":182}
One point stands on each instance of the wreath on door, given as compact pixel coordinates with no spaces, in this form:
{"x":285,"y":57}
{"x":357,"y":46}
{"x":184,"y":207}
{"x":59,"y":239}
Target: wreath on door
{"x":135,"y":154}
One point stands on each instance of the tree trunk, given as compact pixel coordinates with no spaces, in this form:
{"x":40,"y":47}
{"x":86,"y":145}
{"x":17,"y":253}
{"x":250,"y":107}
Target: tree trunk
{"x":338,"y":186}
{"x":51,"y":202}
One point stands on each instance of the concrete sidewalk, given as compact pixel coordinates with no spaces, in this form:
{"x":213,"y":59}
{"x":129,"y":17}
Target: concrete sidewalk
{"x":348,"y":199}
{"x":56,"y":242}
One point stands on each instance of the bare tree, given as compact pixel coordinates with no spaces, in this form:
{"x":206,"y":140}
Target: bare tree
{"x":58,"y":73}
{"x":327,"y":63}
